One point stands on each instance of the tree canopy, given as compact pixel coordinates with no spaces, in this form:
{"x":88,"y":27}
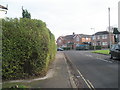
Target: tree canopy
{"x":25,"y":13}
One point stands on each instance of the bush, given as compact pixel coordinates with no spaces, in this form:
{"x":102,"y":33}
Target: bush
{"x":96,"y":47}
{"x":28,"y":47}
{"x":85,"y":47}
{"x":66,"y":48}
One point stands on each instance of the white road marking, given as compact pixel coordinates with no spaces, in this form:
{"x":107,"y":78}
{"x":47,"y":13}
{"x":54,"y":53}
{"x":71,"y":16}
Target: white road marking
{"x":88,"y":83}
{"x":104,"y":60}
{"x":89,"y":55}
{"x":91,"y":84}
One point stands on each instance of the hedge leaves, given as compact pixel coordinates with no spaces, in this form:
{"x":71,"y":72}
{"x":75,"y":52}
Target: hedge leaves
{"x":28,"y":47}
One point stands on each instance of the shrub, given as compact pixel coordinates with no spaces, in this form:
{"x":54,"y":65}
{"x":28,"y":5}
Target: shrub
{"x":28,"y":46}
{"x":96,"y":47}
{"x":66,"y":48}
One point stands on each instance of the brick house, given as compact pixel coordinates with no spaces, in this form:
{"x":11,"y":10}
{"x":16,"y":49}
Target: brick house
{"x":102,"y":38}
{"x":73,"y":40}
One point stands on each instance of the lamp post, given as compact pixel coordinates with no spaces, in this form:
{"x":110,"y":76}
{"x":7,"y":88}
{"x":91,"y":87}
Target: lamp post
{"x":119,"y":21}
{"x":109,"y":26}
{"x":94,"y":39}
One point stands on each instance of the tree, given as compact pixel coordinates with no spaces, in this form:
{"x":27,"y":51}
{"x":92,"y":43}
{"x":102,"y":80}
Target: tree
{"x":25,"y":13}
{"x":116,"y":34}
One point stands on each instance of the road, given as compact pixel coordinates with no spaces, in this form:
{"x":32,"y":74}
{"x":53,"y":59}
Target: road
{"x":97,"y":70}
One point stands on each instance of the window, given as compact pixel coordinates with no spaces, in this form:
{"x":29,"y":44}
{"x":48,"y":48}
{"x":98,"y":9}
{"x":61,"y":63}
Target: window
{"x":87,"y":38}
{"x":104,"y":43}
{"x":104,"y":36}
{"x":113,"y":46}
{"x":93,"y":37}
{"x":59,"y":41}
{"x":98,"y":37}
{"x":77,"y":38}
{"x":94,"y":44}
{"x":117,"y":47}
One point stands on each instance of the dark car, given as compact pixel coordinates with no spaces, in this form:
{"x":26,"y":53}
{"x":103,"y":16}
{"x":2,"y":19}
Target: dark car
{"x":115,"y":51}
{"x":59,"y":49}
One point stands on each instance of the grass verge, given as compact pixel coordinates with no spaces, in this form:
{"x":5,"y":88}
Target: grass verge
{"x":101,"y":52}
{"x":19,"y":84}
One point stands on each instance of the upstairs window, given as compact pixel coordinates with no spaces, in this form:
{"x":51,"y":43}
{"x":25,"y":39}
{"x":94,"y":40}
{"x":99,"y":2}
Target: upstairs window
{"x":77,"y":38}
{"x":104,"y":36}
{"x":59,"y":41}
{"x":87,"y":38}
{"x":98,"y":37}
{"x":93,"y":37}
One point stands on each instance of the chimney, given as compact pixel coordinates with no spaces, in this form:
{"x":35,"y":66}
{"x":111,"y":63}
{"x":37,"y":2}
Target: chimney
{"x":73,"y":33}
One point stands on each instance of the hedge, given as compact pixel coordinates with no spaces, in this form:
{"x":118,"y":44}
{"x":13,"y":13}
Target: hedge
{"x":96,"y":47}
{"x":28,"y":47}
{"x":66,"y":48}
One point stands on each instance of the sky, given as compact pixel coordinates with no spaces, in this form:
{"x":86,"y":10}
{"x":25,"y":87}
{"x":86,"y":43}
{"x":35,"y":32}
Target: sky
{"x":63,"y":17}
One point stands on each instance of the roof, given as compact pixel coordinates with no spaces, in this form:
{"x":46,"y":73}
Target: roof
{"x":71,"y":37}
{"x":102,"y":32}
{"x":68,"y":37}
{"x":3,"y":7}
{"x":85,"y":35}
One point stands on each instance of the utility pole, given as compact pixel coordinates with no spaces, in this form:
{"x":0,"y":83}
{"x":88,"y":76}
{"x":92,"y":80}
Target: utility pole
{"x":94,"y":39}
{"x":109,"y":27}
{"x":119,"y":20}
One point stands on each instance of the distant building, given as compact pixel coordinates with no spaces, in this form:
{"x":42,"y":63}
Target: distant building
{"x":102,"y":38}
{"x":74,"y":40}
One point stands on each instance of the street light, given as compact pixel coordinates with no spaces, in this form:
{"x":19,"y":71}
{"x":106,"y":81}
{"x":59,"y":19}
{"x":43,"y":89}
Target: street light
{"x":94,"y":39}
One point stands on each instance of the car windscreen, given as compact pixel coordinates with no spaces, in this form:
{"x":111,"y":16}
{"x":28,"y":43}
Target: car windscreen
{"x":113,"y":46}
{"x":118,"y":46}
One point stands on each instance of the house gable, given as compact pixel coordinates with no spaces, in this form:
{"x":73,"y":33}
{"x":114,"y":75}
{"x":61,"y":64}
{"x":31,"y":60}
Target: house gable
{"x":77,"y":38}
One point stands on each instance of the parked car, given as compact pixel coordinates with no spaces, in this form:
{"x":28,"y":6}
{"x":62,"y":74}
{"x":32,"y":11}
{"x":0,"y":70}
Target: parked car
{"x":115,"y":51}
{"x":59,"y":49}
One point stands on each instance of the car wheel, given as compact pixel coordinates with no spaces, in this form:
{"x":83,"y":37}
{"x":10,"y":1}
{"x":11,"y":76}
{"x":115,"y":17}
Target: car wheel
{"x":111,"y":57}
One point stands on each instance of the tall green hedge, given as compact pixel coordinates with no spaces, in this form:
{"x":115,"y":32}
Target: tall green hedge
{"x":28,"y":47}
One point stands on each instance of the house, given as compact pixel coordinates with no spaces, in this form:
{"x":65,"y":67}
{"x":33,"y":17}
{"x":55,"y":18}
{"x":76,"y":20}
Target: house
{"x":73,"y":40}
{"x":102,"y":38}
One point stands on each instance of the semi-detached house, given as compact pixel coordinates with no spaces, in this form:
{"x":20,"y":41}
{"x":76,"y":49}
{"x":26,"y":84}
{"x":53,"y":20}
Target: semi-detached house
{"x":73,"y":40}
{"x":102,"y":38}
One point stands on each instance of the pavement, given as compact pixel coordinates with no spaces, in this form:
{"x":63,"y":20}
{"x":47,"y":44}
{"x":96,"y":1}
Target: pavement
{"x":57,"y":77}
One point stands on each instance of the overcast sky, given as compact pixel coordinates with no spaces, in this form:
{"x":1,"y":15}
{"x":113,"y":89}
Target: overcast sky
{"x":63,"y":17}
